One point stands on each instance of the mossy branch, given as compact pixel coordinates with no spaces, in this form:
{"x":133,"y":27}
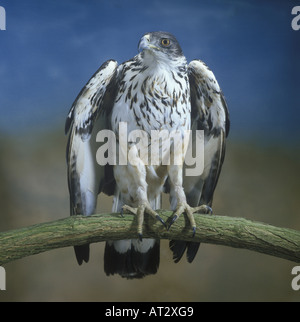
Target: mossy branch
{"x":221,"y":230}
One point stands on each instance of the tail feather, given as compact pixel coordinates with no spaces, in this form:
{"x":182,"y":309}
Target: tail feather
{"x":132,"y":258}
{"x":123,"y":258}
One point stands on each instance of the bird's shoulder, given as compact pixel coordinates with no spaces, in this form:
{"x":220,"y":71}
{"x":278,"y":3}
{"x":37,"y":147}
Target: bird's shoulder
{"x":90,"y":99}
{"x":209,"y":106}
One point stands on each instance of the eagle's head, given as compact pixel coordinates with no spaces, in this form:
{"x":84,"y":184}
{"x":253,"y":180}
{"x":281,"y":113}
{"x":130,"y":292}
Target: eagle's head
{"x":162,"y":46}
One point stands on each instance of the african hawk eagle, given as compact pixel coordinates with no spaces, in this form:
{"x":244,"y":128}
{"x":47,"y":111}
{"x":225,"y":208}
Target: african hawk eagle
{"x":155,"y":90}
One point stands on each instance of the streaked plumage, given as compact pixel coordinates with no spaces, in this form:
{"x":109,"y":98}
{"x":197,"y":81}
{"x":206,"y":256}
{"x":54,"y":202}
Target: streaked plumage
{"x":155,"y":90}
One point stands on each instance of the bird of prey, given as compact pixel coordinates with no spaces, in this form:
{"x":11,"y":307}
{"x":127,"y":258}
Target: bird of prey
{"x":155,"y":90}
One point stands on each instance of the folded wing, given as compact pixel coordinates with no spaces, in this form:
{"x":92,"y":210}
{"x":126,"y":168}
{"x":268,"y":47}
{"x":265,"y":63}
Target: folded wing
{"x":88,"y":115}
{"x":209,"y":113}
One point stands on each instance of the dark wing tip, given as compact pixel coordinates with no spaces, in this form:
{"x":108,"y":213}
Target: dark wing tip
{"x":82,"y":253}
{"x":177,"y":247}
{"x":192,"y":250}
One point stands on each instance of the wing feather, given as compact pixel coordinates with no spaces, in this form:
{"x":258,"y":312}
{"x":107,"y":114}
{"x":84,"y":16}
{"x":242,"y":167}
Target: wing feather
{"x":88,"y":115}
{"x":89,"y":101}
{"x":209,"y":113}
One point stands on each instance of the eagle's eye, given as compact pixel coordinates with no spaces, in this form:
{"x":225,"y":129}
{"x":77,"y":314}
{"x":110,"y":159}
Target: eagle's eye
{"x":165,"y":42}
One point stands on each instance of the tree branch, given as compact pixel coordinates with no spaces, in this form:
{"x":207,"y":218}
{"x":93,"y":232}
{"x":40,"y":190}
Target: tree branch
{"x":78,"y":230}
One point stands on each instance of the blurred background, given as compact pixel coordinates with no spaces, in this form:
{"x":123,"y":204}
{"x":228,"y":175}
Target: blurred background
{"x":49,"y":51}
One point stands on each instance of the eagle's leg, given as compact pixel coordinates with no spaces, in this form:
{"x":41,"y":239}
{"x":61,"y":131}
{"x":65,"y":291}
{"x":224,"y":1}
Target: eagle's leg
{"x":132,"y":183}
{"x":175,"y":175}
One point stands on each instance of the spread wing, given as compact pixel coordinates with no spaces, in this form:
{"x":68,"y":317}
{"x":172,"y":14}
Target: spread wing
{"x":88,"y":115}
{"x":209,"y":112}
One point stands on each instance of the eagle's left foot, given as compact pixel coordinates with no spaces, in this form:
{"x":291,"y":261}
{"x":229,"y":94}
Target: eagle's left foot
{"x":139,"y":212}
{"x":184,"y":207}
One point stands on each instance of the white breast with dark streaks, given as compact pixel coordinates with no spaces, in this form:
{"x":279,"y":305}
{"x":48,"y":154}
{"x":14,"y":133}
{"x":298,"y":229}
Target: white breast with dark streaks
{"x":151,"y":98}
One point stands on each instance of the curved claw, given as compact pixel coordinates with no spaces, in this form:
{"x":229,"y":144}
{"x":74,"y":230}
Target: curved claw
{"x":172,"y":221}
{"x":194,"y":231}
{"x":210,"y":211}
{"x":203,"y":209}
{"x":140,"y":236}
{"x":161,"y":220}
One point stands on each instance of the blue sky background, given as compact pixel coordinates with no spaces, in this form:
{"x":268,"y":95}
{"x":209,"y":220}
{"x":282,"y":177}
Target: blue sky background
{"x":51,"y":48}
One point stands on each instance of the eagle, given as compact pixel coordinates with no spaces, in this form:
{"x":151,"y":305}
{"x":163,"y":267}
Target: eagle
{"x":155,"y":90}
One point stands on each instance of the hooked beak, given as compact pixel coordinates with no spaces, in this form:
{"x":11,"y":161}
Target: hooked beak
{"x":145,"y":44}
